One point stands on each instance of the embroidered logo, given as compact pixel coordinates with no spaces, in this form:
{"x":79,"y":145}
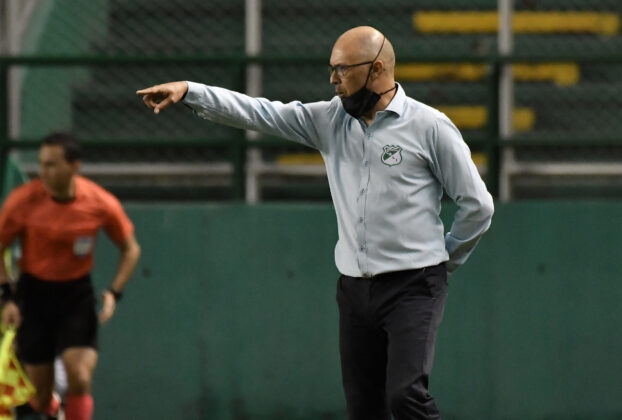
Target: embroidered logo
{"x":83,"y":246}
{"x":391,"y":155}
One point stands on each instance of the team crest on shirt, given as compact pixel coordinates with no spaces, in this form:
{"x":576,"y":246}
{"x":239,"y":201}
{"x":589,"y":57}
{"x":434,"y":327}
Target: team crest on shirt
{"x":83,"y":246}
{"x":391,"y":155}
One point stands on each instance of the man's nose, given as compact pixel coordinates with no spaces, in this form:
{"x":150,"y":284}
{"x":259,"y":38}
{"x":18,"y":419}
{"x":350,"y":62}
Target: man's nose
{"x":334,"y":78}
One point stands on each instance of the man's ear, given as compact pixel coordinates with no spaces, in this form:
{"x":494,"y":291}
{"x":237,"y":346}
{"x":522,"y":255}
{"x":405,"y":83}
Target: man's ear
{"x":377,"y":69}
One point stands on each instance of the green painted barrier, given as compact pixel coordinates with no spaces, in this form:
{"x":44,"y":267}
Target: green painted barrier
{"x":231,"y":315}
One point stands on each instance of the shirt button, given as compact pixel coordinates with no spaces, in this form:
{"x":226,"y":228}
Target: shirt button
{"x":363,"y":191}
{"x":361,"y":220}
{"x":362,"y":248}
{"x":366,"y":163}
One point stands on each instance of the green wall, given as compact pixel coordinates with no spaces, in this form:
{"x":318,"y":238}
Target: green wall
{"x":231,"y":315}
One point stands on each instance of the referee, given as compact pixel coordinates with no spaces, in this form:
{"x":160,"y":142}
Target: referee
{"x":56,"y":219}
{"x":388,"y":159}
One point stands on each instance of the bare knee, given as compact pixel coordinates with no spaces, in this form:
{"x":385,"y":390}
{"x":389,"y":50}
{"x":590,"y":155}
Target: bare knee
{"x":79,"y":364}
{"x":79,"y":380}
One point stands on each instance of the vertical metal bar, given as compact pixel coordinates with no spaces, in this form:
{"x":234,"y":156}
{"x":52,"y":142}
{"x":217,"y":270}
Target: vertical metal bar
{"x":253,"y":88}
{"x":12,"y":22}
{"x":238,"y":154}
{"x":506,"y":82}
{"x":505,"y":34}
{"x":4,"y":126}
{"x":506,"y":94}
{"x":4,"y":28}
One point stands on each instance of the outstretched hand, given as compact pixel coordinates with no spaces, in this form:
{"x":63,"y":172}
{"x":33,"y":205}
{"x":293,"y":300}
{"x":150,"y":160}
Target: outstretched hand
{"x":159,"y":97}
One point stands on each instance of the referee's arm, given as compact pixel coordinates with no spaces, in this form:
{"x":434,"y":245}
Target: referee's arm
{"x":130,"y":253}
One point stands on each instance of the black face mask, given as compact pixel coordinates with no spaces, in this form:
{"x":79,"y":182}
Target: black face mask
{"x":364,"y":99}
{"x":360,"y":101}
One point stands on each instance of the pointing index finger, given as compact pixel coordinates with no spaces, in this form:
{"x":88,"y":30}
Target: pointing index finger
{"x":144,"y":91}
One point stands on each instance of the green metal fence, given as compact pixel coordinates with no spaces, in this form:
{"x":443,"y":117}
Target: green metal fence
{"x":80,"y":62}
{"x":235,"y":144}
{"x":232,"y":145}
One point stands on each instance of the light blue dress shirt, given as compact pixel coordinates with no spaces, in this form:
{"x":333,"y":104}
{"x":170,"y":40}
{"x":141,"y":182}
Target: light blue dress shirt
{"x":386,"y":180}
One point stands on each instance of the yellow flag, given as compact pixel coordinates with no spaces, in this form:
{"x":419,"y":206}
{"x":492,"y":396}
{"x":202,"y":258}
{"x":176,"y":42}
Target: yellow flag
{"x":6,"y":414}
{"x":15,"y":388}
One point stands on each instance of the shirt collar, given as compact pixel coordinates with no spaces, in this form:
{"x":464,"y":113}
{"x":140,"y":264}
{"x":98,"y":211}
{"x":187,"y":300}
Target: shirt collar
{"x":397,"y":103}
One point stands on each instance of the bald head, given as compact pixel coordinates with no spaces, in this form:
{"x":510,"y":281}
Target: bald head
{"x":362,"y":44}
{"x":362,"y":63}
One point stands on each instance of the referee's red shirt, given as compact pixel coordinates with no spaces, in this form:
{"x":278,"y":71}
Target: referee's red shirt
{"x":57,"y":239}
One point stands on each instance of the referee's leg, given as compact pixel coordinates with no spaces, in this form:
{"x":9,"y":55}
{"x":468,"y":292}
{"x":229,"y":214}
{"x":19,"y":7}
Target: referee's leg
{"x":412,"y":325}
{"x":76,"y":343}
{"x":79,"y":363}
{"x":35,"y":343}
{"x":362,"y":348}
{"x":42,"y":377}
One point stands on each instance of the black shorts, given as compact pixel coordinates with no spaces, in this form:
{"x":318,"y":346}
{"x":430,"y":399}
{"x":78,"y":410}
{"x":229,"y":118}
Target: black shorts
{"x":55,"y":317}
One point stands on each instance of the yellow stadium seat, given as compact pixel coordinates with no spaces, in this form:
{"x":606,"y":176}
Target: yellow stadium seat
{"x":440,"y":71}
{"x":480,"y":160}
{"x":300,"y":159}
{"x":601,"y":23}
{"x":560,"y":73}
{"x":471,"y":117}
{"x":467,"y":117}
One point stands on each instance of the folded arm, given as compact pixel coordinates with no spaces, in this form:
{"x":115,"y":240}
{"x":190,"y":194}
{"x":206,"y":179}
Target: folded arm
{"x":456,"y":171}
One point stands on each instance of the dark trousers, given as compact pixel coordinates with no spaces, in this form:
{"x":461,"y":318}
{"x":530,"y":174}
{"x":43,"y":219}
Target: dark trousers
{"x":387,"y":330}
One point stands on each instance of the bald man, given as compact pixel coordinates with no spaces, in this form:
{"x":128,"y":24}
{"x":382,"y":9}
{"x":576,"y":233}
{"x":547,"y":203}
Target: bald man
{"x":388,"y":159}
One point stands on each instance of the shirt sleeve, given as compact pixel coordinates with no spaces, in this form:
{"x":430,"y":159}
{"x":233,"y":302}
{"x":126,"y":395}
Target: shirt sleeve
{"x":293,"y":121}
{"x":458,"y":174}
{"x":118,"y":225}
{"x":11,"y":224}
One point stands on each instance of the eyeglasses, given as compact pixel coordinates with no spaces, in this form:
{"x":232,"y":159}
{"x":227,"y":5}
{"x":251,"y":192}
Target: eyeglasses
{"x":343,"y":69}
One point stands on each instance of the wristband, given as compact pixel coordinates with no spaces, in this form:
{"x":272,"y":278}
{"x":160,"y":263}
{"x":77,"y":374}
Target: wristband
{"x":7,"y":293}
{"x":117,"y":295}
